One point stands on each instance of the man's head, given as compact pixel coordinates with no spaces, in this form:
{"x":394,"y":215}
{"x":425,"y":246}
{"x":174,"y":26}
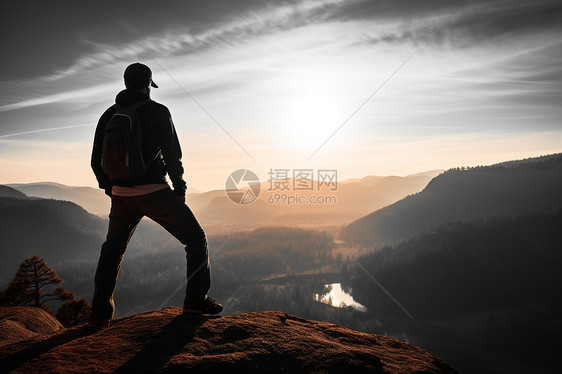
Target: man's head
{"x":138,"y":76}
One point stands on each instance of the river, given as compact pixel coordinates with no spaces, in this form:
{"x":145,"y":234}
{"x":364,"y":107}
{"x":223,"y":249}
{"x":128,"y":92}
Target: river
{"x":337,"y":296}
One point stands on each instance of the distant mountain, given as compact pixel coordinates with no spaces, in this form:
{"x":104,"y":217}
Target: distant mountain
{"x":6,"y":191}
{"x":506,"y":189}
{"x":92,"y":199}
{"x":352,"y":199}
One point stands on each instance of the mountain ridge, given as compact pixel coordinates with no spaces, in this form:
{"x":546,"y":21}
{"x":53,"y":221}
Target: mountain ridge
{"x":351,"y":199}
{"x":9,"y":192}
{"x":510,"y":188}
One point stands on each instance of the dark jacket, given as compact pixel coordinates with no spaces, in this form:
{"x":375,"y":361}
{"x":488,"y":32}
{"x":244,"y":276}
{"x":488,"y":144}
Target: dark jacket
{"x":158,"y":134}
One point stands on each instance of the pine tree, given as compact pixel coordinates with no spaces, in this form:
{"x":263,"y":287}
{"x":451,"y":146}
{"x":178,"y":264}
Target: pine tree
{"x":74,"y":312}
{"x":35,"y":284}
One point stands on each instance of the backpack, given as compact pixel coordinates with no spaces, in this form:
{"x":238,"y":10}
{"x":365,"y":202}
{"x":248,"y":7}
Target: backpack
{"x":121,"y":156}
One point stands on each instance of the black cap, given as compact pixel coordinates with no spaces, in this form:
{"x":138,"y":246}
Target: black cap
{"x":138,"y":75}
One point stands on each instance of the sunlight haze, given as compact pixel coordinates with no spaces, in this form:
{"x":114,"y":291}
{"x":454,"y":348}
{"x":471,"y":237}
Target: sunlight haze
{"x":275,"y":82}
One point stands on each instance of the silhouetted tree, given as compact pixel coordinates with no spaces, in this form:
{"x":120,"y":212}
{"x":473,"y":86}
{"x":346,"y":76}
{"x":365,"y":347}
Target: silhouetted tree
{"x":35,"y":284}
{"x":74,"y":312}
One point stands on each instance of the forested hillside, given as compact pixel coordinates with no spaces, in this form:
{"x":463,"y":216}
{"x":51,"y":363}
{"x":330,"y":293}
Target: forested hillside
{"x":491,"y":286}
{"x":251,"y":256}
{"x":463,"y":268}
{"x":154,"y":265}
{"x":502,"y":190}
{"x":52,"y":229}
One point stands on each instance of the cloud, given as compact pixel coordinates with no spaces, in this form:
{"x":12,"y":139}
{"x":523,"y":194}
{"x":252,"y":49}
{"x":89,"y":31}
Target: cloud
{"x":66,"y":37}
{"x":70,"y":95}
{"x":485,"y":22}
{"x":181,"y":39}
{"x":43,"y":130}
{"x":426,"y":23}
{"x":93,"y":69}
{"x":56,"y":33}
{"x":478,"y":68}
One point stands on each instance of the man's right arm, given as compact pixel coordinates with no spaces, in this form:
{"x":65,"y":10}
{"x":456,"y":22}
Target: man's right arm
{"x":103,"y":181}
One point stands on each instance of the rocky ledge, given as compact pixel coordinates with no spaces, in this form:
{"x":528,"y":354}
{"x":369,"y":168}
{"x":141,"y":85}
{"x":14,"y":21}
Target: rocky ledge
{"x":165,"y":341}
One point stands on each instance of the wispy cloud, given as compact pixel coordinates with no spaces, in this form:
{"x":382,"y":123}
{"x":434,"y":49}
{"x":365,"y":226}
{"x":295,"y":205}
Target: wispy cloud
{"x":182,"y":40}
{"x":43,"y":130}
{"x":360,"y":23}
{"x":70,"y":95}
{"x":480,"y":22}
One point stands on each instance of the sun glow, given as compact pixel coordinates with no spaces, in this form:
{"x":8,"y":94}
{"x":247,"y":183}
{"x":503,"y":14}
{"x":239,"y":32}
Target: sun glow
{"x":314,"y":110}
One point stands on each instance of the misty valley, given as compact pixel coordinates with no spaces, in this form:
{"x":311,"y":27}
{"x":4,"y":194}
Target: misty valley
{"x":467,"y":267}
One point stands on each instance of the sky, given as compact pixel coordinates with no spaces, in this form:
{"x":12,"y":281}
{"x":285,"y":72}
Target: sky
{"x":363,"y":87}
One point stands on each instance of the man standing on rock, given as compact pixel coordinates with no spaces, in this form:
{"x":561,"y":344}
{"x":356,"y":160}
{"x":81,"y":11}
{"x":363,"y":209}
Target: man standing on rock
{"x":145,"y":194}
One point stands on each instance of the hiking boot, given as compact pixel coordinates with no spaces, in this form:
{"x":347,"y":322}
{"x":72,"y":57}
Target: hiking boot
{"x":208,"y":306}
{"x":98,"y":324}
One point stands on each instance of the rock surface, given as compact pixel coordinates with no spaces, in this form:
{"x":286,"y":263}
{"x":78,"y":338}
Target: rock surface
{"x":166,"y":341}
{"x":21,"y":323}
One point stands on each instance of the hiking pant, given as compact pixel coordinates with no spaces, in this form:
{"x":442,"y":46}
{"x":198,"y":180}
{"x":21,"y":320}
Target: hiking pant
{"x":168,"y":210}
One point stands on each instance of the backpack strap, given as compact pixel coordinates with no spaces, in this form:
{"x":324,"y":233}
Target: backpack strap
{"x":133,"y":108}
